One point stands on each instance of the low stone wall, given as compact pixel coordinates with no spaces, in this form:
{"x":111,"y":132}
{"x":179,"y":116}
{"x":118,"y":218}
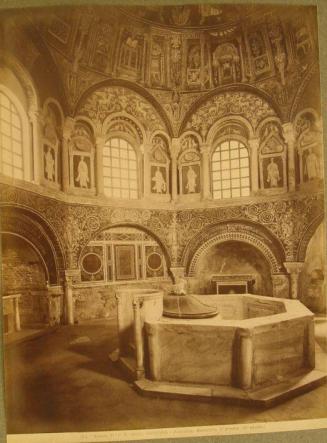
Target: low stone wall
{"x":255,"y":341}
{"x":91,"y":302}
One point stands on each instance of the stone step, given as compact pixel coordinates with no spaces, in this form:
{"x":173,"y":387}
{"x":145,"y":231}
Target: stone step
{"x":264,"y":397}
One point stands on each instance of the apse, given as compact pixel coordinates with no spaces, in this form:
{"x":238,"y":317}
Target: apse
{"x":233,"y":258}
{"x":23,"y":272}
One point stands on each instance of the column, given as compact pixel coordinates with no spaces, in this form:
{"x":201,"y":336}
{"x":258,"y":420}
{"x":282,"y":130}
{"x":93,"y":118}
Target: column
{"x":309,"y":347}
{"x":17,"y":315}
{"x":120,"y":332}
{"x":245,"y":359}
{"x":138,"y":338}
{"x":173,"y":234}
{"x":67,"y":133}
{"x":205,"y":173}
{"x":99,"y":143}
{"x":71,"y":275}
{"x":154,"y":350}
{"x":147,"y":170}
{"x":290,"y":140}
{"x":254,"y":148}
{"x":36,"y":120}
{"x":175,"y":148}
{"x":294,"y":269}
{"x":55,"y":294}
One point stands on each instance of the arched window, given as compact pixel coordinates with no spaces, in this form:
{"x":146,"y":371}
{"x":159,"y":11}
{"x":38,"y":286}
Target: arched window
{"x":120,"y":169}
{"x":11,"y":139}
{"x":230,"y":170}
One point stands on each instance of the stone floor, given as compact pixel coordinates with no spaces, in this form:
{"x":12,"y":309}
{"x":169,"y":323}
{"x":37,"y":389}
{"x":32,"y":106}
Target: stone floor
{"x":27,"y":334}
{"x":64,"y":382}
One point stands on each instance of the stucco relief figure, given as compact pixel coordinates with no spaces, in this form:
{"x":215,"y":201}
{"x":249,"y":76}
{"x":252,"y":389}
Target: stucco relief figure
{"x":49,"y":165}
{"x":311,"y":166}
{"x":156,"y":63}
{"x":273,"y":175}
{"x":83,"y":173}
{"x":160,"y":185}
{"x":176,"y":60}
{"x":191,"y":180}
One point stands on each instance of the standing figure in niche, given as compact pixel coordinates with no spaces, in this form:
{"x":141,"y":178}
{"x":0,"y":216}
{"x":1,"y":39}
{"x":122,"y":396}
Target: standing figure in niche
{"x":83,"y":173}
{"x":160,"y":185}
{"x":49,"y":165}
{"x":191,"y":180}
{"x":273,"y":176}
{"x":311,"y":167}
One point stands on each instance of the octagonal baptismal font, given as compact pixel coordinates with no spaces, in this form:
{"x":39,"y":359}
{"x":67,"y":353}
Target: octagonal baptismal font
{"x":242,"y":347}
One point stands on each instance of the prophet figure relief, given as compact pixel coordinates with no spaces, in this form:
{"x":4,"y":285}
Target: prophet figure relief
{"x":311,"y":166}
{"x":160,"y":185}
{"x":49,"y":165}
{"x":191,"y":180}
{"x":273,"y":176}
{"x":83,"y":173}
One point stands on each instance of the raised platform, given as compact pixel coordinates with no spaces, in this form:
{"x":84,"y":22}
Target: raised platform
{"x":262,"y":397}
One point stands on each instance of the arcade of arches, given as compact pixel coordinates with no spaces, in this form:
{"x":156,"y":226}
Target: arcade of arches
{"x":136,"y":151}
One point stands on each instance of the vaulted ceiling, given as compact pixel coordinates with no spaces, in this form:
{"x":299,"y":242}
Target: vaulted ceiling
{"x":177,"y":54}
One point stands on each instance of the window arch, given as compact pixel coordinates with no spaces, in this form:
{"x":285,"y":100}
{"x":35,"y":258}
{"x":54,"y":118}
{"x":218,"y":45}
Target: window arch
{"x":120,"y":179}
{"x":230,"y":170}
{"x":11,"y":138}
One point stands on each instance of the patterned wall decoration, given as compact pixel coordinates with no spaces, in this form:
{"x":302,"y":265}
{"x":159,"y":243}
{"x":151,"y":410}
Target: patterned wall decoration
{"x":175,"y":105}
{"x":235,"y":232}
{"x":287,"y":220}
{"x":75,"y":225}
{"x":248,"y":105}
{"x":108,"y":100}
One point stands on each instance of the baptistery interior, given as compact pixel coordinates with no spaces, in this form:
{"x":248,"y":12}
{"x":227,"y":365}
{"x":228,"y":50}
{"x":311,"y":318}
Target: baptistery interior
{"x":144,"y":145}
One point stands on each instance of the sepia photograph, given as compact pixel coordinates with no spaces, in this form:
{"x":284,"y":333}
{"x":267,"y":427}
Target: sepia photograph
{"x":163,"y":246}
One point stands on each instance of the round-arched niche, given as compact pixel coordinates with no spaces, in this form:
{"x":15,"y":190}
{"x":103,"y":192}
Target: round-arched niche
{"x":231,"y":259}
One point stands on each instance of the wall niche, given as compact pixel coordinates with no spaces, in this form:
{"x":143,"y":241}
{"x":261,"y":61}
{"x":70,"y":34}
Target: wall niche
{"x":23,"y":273}
{"x":232,"y":257}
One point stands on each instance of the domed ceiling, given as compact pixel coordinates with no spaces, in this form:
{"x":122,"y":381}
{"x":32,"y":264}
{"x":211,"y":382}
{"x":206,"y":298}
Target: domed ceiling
{"x":179,"y":53}
{"x":190,"y":16}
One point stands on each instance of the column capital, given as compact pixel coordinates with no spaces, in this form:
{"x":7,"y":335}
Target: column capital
{"x":175,"y":147}
{"x":205,"y":148}
{"x":244,"y":333}
{"x":289,"y":132}
{"x":72,"y":276}
{"x":100,"y":140}
{"x":254,"y":142}
{"x":68,"y":128}
{"x":294,"y":267}
{"x":35,"y":113}
{"x":55,"y":291}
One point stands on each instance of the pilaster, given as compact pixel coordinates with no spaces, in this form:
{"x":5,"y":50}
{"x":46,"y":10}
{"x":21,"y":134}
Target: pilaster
{"x":99,"y":143}
{"x":254,"y":148}
{"x":175,"y":148}
{"x":290,"y":140}
{"x":294,"y":269}
{"x":67,"y":133}
{"x":205,"y":151}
